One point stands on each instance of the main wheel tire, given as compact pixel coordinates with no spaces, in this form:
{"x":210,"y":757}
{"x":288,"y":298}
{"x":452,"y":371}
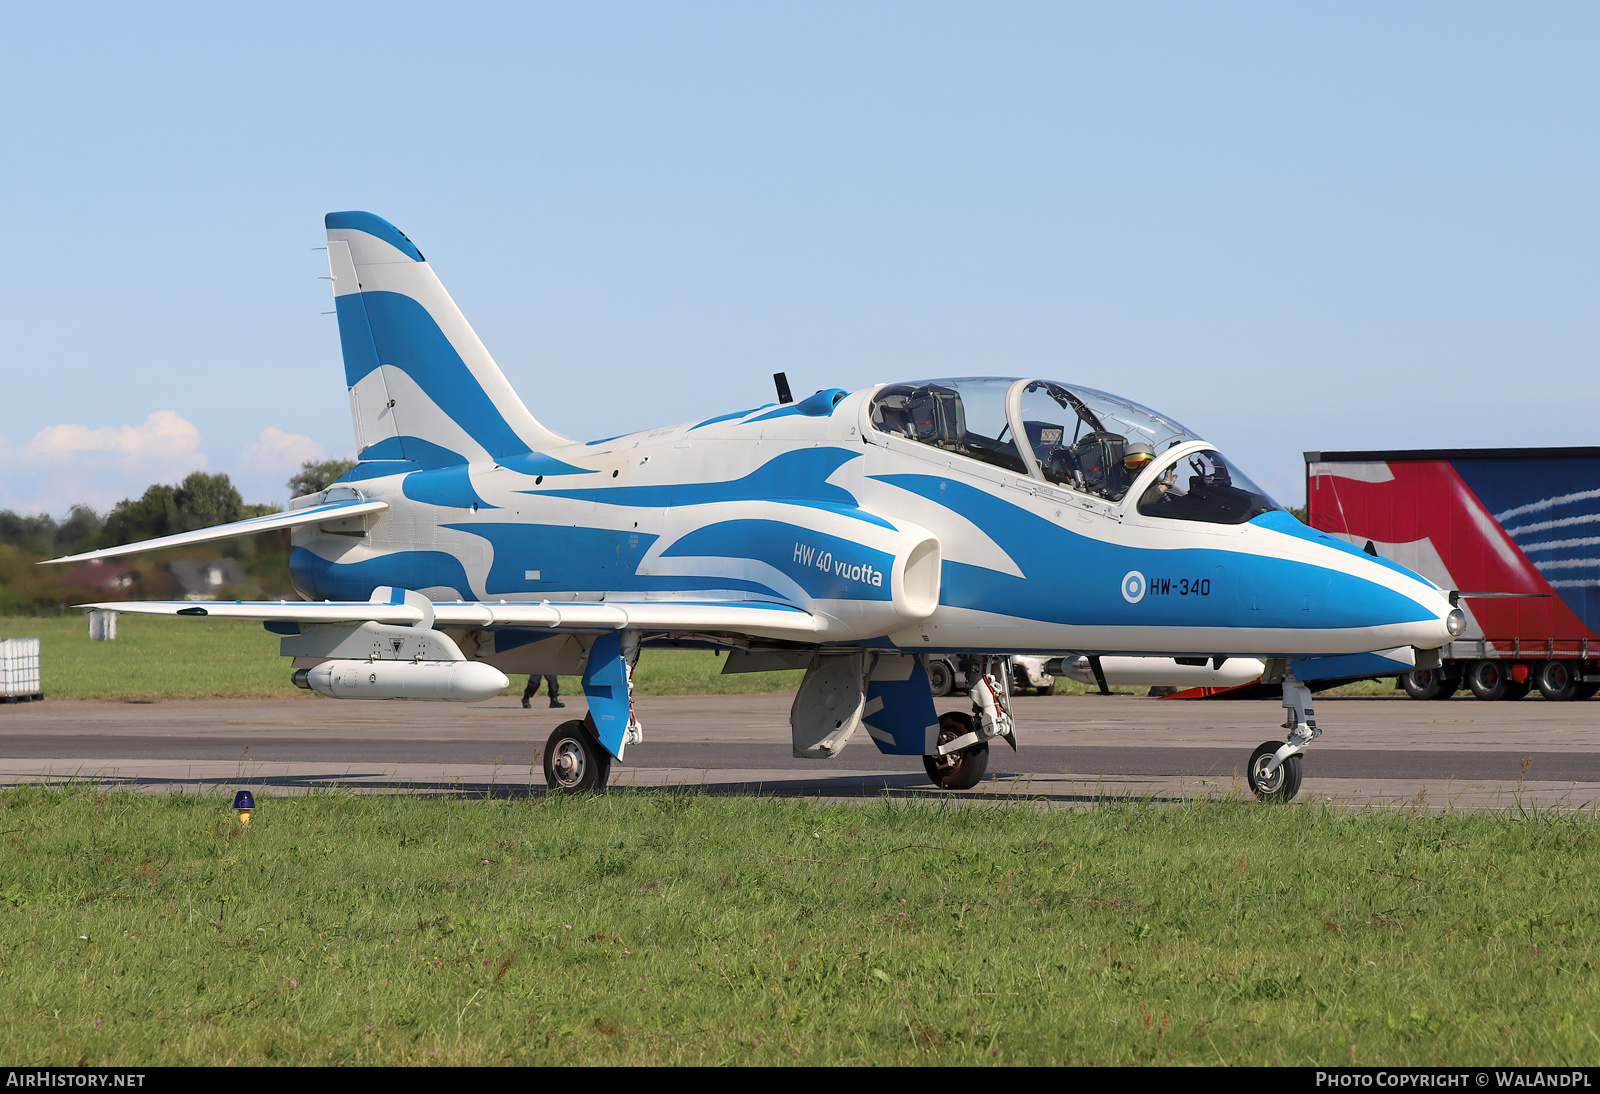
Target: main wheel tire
{"x":1557,"y":680}
{"x":1488,"y":679}
{"x":959,"y":770}
{"x":941,"y":677}
{"x":574,"y":762}
{"x":1284,"y":783}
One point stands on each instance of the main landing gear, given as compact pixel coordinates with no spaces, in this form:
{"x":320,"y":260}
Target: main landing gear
{"x":961,"y":750}
{"x":1274,"y":771}
{"x":963,"y":768}
{"x":574,"y":760}
{"x":578,"y":755}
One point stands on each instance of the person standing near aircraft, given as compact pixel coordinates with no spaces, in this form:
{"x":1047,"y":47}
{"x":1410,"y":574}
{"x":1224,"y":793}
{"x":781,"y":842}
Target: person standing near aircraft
{"x":552,"y":685}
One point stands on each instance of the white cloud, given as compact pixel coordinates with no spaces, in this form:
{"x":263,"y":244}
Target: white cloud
{"x":66,"y":464}
{"x":265,"y":466}
{"x":63,"y":465}
{"x":163,"y":436}
{"x":279,"y":451}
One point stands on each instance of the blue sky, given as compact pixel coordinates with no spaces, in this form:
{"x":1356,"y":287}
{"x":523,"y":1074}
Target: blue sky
{"x":1288,"y":226}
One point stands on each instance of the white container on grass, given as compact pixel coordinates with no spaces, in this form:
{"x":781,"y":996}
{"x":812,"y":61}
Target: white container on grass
{"x":19,"y":668}
{"x":102,"y":625}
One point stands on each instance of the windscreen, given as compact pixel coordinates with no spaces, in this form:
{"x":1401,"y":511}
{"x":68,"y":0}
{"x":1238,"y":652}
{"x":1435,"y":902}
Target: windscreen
{"x":1203,"y":486}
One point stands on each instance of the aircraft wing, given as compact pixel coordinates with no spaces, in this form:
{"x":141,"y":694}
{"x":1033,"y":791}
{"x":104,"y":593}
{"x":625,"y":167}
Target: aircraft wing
{"x":779,"y":621}
{"x":741,"y":616}
{"x":316,"y":514}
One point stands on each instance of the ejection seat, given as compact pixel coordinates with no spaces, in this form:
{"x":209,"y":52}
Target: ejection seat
{"x":1044,"y":438}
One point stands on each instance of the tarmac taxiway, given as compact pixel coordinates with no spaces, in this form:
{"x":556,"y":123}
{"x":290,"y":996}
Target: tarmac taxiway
{"x":1072,"y":750}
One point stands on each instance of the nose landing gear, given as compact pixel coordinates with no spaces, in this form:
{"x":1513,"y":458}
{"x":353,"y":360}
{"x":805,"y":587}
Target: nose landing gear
{"x":1274,"y":771}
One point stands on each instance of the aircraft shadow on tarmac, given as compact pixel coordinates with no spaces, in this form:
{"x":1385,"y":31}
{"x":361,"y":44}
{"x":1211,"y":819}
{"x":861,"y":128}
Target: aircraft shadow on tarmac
{"x":1018,"y":788}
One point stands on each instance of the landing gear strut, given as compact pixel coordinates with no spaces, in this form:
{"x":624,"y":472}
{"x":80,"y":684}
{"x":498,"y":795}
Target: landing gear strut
{"x":1274,"y":771}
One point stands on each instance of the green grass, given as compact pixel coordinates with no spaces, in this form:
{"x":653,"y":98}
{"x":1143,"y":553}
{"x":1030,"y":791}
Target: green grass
{"x":155,"y":657}
{"x":659,"y":927}
{"x":693,"y":672}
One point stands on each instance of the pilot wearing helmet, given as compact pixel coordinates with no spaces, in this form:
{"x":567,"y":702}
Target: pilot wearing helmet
{"x":1135,"y":458}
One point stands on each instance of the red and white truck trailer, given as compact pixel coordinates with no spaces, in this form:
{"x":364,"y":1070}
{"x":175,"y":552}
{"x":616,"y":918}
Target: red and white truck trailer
{"x":1515,"y":532}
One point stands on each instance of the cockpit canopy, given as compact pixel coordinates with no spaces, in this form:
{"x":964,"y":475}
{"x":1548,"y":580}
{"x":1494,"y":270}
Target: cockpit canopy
{"x":1087,"y":440}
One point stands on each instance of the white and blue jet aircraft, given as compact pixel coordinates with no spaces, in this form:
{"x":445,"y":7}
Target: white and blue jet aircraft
{"x":850,"y":534}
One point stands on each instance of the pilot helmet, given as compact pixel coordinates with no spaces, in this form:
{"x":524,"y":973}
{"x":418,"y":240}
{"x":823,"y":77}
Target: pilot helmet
{"x":1137,"y":456}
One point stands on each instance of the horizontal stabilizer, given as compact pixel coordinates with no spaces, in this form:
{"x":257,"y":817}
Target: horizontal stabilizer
{"x":766,"y":620}
{"x":317,"y":514}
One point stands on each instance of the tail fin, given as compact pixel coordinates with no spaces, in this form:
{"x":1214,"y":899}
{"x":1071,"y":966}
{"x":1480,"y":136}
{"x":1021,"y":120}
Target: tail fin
{"x":422,"y":386}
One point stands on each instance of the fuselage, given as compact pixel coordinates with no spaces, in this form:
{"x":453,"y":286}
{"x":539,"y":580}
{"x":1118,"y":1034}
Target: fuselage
{"x":893,"y":542}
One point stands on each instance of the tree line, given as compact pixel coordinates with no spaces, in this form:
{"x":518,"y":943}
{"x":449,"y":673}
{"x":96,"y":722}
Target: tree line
{"x":201,"y":500}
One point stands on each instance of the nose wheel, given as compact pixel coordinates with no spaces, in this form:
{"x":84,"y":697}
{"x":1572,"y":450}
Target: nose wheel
{"x":1280,"y":785}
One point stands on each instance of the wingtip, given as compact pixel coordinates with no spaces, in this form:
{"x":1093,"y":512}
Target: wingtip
{"x":66,"y":558}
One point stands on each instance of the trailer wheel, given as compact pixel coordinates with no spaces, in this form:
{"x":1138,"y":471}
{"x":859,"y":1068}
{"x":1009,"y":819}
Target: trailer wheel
{"x":1428,"y":684}
{"x":1557,"y":680}
{"x":941,"y":676}
{"x":1587,"y":691}
{"x":1488,"y":679}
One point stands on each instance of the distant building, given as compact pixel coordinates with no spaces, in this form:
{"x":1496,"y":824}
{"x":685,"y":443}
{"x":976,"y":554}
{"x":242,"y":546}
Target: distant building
{"x":204,"y":579}
{"x":110,"y":578}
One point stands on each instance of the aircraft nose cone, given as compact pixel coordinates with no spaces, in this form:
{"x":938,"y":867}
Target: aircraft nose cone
{"x":1448,"y":623}
{"x":1373,"y":602}
{"x":1422,"y":615}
